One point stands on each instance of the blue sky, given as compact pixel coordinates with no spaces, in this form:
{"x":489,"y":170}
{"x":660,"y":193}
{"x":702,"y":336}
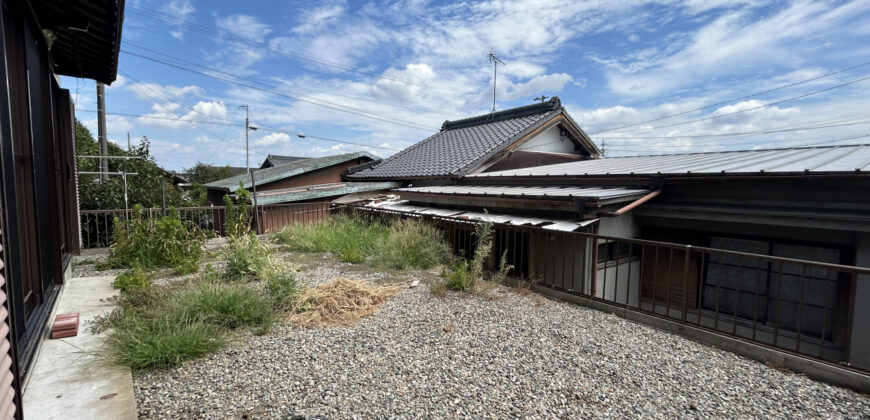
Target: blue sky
{"x":386,"y":74}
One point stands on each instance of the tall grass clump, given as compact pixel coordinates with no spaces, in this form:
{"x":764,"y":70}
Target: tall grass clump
{"x":350,"y":238}
{"x":167,"y":242}
{"x":410,"y":243}
{"x":247,"y":258}
{"x":400,"y":244}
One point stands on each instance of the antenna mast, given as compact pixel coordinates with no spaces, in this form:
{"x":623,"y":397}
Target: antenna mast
{"x":495,"y":62}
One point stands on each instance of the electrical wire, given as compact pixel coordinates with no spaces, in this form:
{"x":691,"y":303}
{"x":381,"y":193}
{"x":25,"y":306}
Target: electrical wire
{"x":737,"y":99}
{"x":793,"y":98}
{"x":223,"y":35}
{"x":259,"y":126}
{"x":272,"y":92}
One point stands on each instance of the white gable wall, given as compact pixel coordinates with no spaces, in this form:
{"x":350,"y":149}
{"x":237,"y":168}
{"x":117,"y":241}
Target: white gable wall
{"x":550,"y":140}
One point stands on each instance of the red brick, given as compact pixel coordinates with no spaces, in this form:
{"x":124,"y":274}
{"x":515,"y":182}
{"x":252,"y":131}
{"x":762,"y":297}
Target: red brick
{"x":64,"y":334}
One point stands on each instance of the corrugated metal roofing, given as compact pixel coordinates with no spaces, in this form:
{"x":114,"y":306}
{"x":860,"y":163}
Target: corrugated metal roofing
{"x":289,"y":195}
{"x":263,"y":176}
{"x":460,"y":145}
{"x":530,"y":191}
{"x":564,"y":225}
{"x":798,"y":160}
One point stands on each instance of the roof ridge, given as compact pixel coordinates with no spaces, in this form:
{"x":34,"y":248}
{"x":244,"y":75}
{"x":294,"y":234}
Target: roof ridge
{"x":533,"y":109}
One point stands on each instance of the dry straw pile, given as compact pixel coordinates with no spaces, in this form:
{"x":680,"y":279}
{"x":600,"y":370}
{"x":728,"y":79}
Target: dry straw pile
{"x":340,"y":302}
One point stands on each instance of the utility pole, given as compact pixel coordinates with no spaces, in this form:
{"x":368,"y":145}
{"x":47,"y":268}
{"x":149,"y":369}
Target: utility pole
{"x":101,"y":130}
{"x":129,"y":146}
{"x":248,"y":127}
{"x":495,"y":62}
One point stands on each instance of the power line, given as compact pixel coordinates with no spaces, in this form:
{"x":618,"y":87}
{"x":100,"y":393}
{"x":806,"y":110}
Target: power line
{"x":265,"y":83}
{"x":272,"y":92}
{"x":738,"y":99}
{"x":223,"y":35}
{"x":851,"y":82}
{"x":798,"y":145}
{"x":262,"y":127}
{"x":739,"y":133}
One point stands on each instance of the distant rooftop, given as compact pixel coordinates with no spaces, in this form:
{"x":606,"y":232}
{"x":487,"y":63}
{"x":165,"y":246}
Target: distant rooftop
{"x":464,"y":144}
{"x":287,"y":170}
{"x":277,"y":160}
{"x":795,"y":160}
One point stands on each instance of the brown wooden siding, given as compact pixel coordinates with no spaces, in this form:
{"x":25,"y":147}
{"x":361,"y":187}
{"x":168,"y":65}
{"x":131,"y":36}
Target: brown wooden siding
{"x":328,"y":175}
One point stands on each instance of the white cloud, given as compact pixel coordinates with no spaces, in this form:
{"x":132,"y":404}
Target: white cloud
{"x":315,"y":19}
{"x":180,"y":11}
{"x":154,"y":91}
{"x":273,"y":138}
{"x":244,"y":26}
{"x":208,"y":110}
{"x":736,"y":43}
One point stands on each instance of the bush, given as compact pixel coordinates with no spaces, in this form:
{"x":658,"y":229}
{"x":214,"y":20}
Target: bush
{"x":132,"y":280}
{"x":247,"y":258}
{"x":462,"y":275}
{"x":458,"y":277}
{"x":404,"y":243}
{"x":169,"y":242}
{"x":238,"y":221}
{"x":411,"y":243}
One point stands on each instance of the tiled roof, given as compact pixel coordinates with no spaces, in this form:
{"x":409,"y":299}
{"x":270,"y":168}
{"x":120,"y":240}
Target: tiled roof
{"x":795,"y":160}
{"x":287,"y":170}
{"x":276,"y":160}
{"x":462,"y":145}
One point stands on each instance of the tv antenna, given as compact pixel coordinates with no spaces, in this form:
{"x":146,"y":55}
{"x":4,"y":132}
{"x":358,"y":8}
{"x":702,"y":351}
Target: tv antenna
{"x":495,"y":62}
{"x":542,"y":98}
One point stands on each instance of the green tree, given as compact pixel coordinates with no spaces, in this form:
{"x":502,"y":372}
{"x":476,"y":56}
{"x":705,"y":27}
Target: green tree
{"x":143,"y":189}
{"x":203,"y":173}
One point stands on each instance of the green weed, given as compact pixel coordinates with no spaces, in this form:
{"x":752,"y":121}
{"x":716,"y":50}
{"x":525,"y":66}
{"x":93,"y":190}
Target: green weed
{"x":133,"y":279}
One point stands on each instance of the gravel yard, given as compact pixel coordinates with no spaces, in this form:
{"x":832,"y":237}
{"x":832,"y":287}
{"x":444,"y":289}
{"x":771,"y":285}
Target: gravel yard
{"x":470,"y":356}
{"x":506,"y":355}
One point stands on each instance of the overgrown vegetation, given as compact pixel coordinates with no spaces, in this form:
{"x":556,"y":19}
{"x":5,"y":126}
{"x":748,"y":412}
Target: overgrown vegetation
{"x":132,"y":280}
{"x":400,"y":244}
{"x":143,"y":189}
{"x":238,"y":214}
{"x":161,"y":326}
{"x":463,"y":275}
{"x":167,"y":242}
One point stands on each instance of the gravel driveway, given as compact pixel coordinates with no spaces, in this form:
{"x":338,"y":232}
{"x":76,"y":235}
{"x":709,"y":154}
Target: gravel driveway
{"x":465,"y":356}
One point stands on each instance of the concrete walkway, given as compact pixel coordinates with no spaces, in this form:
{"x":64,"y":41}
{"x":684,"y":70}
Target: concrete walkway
{"x":68,"y":380}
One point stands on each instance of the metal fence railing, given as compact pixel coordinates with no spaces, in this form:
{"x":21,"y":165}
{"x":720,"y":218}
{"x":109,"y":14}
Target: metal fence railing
{"x":98,"y":226}
{"x":798,"y":306}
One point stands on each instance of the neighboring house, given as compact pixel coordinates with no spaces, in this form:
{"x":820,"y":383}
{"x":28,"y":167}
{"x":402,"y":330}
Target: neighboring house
{"x":288,"y":181}
{"x":41,"y":40}
{"x":521,"y":137}
{"x":789,"y":210}
{"x":278,"y":160}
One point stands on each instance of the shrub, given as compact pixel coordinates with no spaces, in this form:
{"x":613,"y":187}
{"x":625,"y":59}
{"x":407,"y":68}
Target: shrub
{"x":132,"y":280}
{"x":247,"y":258}
{"x":411,"y":243}
{"x":504,"y":269}
{"x":483,"y":233}
{"x":462,"y":275}
{"x":168,"y":242}
{"x":458,"y":276}
{"x":238,"y":216}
